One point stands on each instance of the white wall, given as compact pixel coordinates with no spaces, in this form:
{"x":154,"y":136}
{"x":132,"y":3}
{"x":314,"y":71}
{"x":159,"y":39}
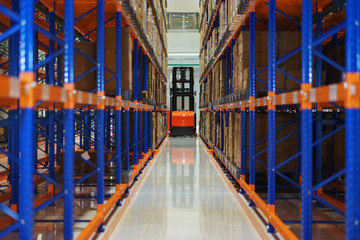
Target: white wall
{"x":183,"y":41}
{"x":183,"y":5}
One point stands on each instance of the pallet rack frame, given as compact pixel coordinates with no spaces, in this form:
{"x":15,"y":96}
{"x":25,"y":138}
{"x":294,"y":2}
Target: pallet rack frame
{"x":21,"y":94}
{"x":310,"y":99}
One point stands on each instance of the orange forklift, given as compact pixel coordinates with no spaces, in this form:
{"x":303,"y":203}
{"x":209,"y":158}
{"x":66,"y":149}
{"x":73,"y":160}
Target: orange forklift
{"x":182,"y":102}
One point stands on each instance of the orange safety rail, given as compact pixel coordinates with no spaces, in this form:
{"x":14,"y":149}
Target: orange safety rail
{"x":323,"y":95}
{"x":338,"y":186}
{"x":336,"y":203}
{"x":10,"y":88}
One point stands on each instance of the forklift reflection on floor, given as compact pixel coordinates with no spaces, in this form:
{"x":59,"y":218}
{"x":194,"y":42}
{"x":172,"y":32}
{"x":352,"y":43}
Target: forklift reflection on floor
{"x":182,"y":102}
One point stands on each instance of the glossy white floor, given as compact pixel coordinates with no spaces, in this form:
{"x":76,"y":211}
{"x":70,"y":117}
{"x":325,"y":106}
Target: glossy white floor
{"x":184,"y":197}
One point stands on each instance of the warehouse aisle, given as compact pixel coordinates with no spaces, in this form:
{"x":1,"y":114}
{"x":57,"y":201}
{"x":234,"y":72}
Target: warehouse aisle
{"x":183,"y":197}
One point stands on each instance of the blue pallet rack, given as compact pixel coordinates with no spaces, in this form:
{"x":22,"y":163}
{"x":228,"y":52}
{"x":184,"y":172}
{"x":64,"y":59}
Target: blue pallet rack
{"x":308,"y":101}
{"x":40,"y":100}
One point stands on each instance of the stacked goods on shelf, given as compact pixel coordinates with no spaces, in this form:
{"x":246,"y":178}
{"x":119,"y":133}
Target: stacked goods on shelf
{"x":288,"y":41}
{"x":213,"y":39}
{"x":208,"y":91}
{"x":203,"y":62}
{"x":82,"y":168}
{"x":336,"y":53}
{"x":82,"y":65}
{"x":232,"y":142}
{"x":222,"y":19}
{"x":151,"y":81}
{"x":241,"y":56}
{"x":227,"y":12}
{"x":126,"y":59}
{"x":160,"y":125}
{"x":219,"y":76}
{"x":216,"y":77}
{"x":285,"y":43}
{"x":237,"y":140}
{"x":213,"y":83}
{"x":232,"y":10}
{"x":333,"y":148}
{"x":154,"y":128}
{"x":139,"y":8}
{"x":207,"y":125}
{"x":213,"y":134}
{"x":150,"y":27}
{"x":284,"y":149}
{"x":161,"y":92}
{"x":204,"y":93}
{"x":145,"y":17}
{"x":222,"y":78}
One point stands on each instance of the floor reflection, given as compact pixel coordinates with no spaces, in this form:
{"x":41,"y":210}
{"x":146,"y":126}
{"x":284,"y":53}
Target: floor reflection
{"x":183,"y":197}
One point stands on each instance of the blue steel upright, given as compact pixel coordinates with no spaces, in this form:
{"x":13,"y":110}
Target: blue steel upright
{"x":352,"y":113}
{"x":242,"y":137}
{"x":100,"y":113}
{"x":118,"y":132}
{"x":145,"y":140}
{"x":212,"y":108}
{"x":51,"y":111}
{"x":222,"y":127}
{"x":271,"y":110}
{"x":140,"y":110}
{"x":35,"y":112}
{"x":27,"y":76}
{"x":252,"y":107}
{"x":13,"y":143}
{"x":69,"y":121}
{"x":306,"y":121}
{"x":135,"y":95}
{"x":318,"y":133}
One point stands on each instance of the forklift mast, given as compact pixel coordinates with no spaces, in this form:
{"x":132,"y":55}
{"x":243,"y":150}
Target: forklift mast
{"x":183,"y":89}
{"x":182,"y":102}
